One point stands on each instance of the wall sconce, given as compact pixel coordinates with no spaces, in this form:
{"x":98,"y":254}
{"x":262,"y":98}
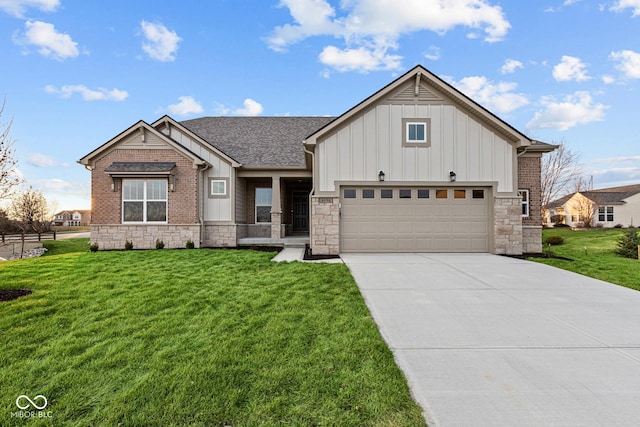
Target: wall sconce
{"x":381,"y":175}
{"x":452,"y":176}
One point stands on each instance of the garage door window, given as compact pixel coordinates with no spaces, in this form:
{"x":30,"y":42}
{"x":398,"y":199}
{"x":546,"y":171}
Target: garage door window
{"x":368,"y":193}
{"x":442,"y":194}
{"x":405,"y":194}
{"x":386,"y":193}
{"x":460,"y":194}
{"x":478,"y":194}
{"x":423,"y":193}
{"x":349,"y":193}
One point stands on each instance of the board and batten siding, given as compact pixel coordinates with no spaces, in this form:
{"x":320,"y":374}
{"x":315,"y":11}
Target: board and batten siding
{"x":215,"y":209}
{"x":373,"y":141}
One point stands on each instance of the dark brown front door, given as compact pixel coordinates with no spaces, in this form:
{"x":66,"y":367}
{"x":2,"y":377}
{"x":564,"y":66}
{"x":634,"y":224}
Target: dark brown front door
{"x":300,"y":212}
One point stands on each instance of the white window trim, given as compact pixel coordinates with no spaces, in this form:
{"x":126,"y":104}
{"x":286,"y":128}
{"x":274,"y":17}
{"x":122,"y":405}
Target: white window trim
{"x":416,"y":141}
{"x":144,"y":201}
{"x":606,"y":211}
{"x":215,"y":181}
{"x":525,"y":203}
{"x":425,"y":142}
{"x":255,"y":213}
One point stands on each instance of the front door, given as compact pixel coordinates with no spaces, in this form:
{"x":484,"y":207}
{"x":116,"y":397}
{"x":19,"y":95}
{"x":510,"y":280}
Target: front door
{"x":300,"y":212}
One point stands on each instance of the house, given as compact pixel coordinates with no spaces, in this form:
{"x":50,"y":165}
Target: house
{"x":606,"y":207}
{"x":72,"y":218}
{"x":415,"y":167}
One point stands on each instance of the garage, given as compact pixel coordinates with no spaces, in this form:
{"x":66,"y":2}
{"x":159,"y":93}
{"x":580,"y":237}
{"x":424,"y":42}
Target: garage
{"x":414,"y":219}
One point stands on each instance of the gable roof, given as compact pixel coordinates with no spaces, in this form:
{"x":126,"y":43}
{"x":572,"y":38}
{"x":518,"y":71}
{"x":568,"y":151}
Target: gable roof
{"x":420,"y":75}
{"x":258,"y":141}
{"x":602,"y":196}
{"x":141,"y":126}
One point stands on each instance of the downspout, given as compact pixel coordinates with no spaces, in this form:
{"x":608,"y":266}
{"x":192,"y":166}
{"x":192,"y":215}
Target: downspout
{"x":200,"y":195}
{"x":313,"y":187}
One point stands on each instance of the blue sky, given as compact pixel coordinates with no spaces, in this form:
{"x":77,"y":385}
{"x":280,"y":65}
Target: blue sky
{"x":77,"y":73}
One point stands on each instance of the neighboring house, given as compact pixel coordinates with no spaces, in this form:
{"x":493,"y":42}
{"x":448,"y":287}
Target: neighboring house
{"x":72,"y":218}
{"x":605,"y":207}
{"x":415,"y":167}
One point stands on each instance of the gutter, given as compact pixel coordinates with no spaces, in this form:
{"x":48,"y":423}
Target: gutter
{"x":313,"y":188}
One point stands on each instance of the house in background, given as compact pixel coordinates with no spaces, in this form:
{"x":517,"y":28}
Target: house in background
{"x":415,"y":167}
{"x":72,"y":218}
{"x":606,"y":207}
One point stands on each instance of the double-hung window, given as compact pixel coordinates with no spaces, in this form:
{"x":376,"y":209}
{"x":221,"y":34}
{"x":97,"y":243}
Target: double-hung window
{"x":263,"y":205}
{"x":144,"y":200}
{"x":524,"y":194}
{"x":605,"y":214}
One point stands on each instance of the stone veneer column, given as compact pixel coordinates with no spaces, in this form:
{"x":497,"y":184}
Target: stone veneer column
{"x":276,"y":208}
{"x":508,"y":225}
{"x":325,"y":225}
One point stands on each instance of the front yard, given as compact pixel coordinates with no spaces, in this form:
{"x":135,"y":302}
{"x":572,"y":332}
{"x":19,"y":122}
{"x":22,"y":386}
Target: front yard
{"x":194,"y":337}
{"x":591,"y":252}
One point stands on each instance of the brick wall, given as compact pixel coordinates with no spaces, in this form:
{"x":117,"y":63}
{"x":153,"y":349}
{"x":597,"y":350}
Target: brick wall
{"x":106,"y":204}
{"x":529,"y":169}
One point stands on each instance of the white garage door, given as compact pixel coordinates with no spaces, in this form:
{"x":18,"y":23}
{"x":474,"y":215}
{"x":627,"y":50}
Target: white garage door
{"x":427,"y":219}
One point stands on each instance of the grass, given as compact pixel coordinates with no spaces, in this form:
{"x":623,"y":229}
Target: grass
{"x":65,"y":246}
{"x":593,"y":256}
{"x":197,"y":338}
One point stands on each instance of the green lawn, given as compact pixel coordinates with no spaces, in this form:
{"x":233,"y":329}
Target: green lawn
{"x":64,"y":246}
{"x":197,"y":338}
{"x":592,"y":255}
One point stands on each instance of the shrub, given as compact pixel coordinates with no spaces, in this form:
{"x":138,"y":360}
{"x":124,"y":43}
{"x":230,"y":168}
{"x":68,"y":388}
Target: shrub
{"x":93,"y":247}
{"x":628,"y":244}
{"x":560,"y":225}
{"x":554,"y":240}
{"x":159,"y":244}
{"x":128,"y":245}
{"x":617,"y":226}
{"x":190,"y":244}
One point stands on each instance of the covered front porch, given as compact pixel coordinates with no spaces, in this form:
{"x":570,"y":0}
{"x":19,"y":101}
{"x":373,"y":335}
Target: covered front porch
{"x":273,"y":207}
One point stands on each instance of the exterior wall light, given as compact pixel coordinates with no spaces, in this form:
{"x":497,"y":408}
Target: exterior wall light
{"x":381,"y":175}
{"x":452,"y":176}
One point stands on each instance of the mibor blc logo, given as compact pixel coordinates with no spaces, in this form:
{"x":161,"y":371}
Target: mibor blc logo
{"x":31,"y":407}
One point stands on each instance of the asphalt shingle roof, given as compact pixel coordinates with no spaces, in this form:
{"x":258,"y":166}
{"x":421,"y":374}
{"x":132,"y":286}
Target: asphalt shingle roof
{"x":121,"y":167}
{"x":603,"y":196}
{"x":258,"y":141}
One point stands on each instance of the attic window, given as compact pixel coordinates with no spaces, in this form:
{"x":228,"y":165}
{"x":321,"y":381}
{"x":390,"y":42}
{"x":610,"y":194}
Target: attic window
{"x":416,"y":132}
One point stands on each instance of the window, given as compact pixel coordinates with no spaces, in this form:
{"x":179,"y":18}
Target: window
{"x":524,"y":194}
{"x":605,"y":213}
{"x":368,"y":193}
{"x":459,"y":194}
{"x":349,"y":193}
{"x":263,"y":205}
{"x":386,"y":193}
{"x":405,"y":193}
{"x":423,"y":193}
{"x":415,"y":132}
{"x":478,"y":194}
{"x":218,"y":187}
{"x":442,"y":194}
{"x":144,"y":200}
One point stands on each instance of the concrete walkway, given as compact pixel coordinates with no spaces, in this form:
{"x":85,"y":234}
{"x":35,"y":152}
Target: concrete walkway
{"x":486,"y":340}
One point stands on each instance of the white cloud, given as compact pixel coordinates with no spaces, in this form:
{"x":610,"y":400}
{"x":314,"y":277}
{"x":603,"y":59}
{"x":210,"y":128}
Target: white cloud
{"x":621,"y":5}
{"x":251,"y":108}
{"x":510,"y":66}
{"x":18,"y":7}
{"x":628,"y":62}
{"x":43,"y":161}
{"x":361,"y":59}
{"x":371,"y":28}
{"x":498,"y":97}
{"x":87,"y":94}
{"x":433,"y":53}
{"x":570,"y":68}
{"x":606,"y":79}
{"x":573,"y":110}
{"x":161,"y":43}
{"x":49,"y":42}
{"x":187,"y":105}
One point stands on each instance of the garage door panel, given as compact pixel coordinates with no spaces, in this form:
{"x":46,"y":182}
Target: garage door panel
{"x":415,"y":225}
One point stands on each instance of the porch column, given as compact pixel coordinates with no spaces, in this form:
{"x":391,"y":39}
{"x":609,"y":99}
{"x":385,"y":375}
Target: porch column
{"x":276,"y":208}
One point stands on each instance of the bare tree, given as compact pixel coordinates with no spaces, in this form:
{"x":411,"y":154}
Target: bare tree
{"x":561,"y":170}
{"x":29,"y":213}
{"x":586,"y":208}
{"x":8,"y":176}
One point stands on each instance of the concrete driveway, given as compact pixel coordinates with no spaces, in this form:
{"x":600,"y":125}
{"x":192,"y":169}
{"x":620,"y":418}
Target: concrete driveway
{"x":486,"y":340}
